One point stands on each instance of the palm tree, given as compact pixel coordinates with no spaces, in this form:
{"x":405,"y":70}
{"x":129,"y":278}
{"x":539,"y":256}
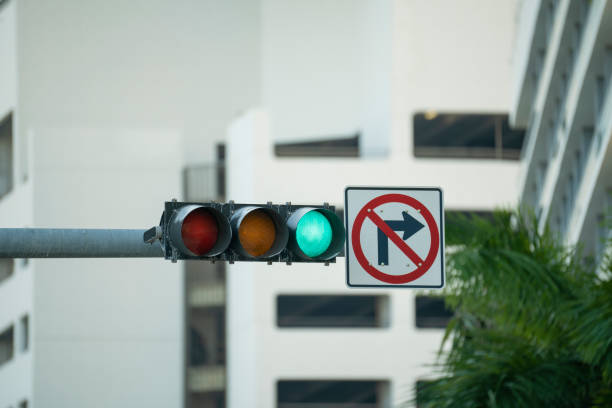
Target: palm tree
{"x":533,"y":320}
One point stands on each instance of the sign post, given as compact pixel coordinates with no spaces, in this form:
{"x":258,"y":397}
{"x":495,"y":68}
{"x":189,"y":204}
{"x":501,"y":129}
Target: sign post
{"x":412,"y":218}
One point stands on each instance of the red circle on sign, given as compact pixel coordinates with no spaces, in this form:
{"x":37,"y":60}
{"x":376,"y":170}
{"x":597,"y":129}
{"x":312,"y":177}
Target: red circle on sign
{"x":431,"y":224}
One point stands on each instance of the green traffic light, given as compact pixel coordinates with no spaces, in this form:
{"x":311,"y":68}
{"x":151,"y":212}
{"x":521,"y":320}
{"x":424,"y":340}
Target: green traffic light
{"x":313,"y":233}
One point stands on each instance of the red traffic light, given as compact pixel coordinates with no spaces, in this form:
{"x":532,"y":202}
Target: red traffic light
{"x":200,"y":231}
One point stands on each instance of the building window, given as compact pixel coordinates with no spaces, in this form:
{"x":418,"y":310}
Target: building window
{"x":476,"y":136}
{"x":540,"y":177}
{"x":6,"y":155}
{"x":206,"y":182}
{"x":604,"y":221}
{"x":220,"y":165}
{"x":552,"y":140}
{"x":6,"y":345}
{"x":341,"y":146}
{"x":607,"y":66}
{"x":431,"y":312}
{"x":342,"y":311}
{"x":586,"y":146}
{"x":321,"y":394}
{"x":540,"y":53}
{"x":549,"y":18}
{"x":599,"y":98}
{"x":24,"y":337}
{"x":197,"y":348}
{"x":582,"y":155}
{"x":207,"y":338}
{"x":7,"y":266}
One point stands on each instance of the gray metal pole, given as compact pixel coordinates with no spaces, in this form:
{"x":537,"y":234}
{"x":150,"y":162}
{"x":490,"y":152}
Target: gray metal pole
{"x":76,"y":243}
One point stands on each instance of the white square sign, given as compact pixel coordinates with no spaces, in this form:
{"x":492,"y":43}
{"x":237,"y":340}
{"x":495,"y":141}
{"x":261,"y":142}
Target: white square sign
{"x":394,"y":237}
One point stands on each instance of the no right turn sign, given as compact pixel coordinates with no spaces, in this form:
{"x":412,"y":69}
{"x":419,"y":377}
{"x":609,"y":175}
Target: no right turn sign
{"x":395,"y":237}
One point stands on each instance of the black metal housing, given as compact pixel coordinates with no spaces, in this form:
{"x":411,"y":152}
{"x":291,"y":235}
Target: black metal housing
{"x":231,"y":214}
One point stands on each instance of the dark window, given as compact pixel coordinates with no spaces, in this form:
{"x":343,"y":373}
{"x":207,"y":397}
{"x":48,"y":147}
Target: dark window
{"x":206,"y":343}
{"x":320,"y":394}
{"x":332,"y":311}
{"x":600,"y":93}
{"x":7,"y":266}
{"x":6,"y":345}
{"x":24,"y":338}
{"x":206,"y":182}
{"x":221,"y":171}
{"x":477,"y":136}
{"x":6,"y":155}
{"x":431,"y":312}
{"x":342,"y":146}
{"x":197,"y":348}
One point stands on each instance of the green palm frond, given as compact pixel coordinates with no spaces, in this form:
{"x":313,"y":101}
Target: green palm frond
{"x":533,"y":320}
{"x":492,"y":368}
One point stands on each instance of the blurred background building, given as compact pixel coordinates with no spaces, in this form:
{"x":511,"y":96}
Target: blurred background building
{"x":109,"y":109}
{"x":373,"y":93}
{"x":562,"y":94}
{"x":102,"y":105}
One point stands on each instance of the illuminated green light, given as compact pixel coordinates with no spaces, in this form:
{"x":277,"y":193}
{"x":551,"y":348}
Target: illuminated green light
{"x":313,"y":234}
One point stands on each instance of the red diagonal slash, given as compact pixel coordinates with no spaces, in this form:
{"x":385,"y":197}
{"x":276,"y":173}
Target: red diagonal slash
{"x":395,"y":238}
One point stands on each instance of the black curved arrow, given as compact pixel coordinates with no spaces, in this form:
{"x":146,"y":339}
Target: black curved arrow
{"x":409,"y":225}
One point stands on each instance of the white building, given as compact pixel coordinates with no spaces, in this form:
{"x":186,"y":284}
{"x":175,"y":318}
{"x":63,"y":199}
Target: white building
{"x":401,"y":75}
{"x":562,"y":94}
{"x":101,"y":104}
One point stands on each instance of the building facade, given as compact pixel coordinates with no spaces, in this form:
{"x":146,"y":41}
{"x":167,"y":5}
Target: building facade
{"x":101,"y":105}
{"x":562,"y":95}
{"x":16,"y":210}
{"x":388,"y":93}
{"x":101,"y":108}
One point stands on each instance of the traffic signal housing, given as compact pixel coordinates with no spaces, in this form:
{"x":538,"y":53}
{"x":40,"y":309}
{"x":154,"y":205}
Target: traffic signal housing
{"x":251,"y":232}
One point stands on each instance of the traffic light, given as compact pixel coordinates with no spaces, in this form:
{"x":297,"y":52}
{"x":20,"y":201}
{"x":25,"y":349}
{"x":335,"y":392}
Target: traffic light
{"x":250,"y":232}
